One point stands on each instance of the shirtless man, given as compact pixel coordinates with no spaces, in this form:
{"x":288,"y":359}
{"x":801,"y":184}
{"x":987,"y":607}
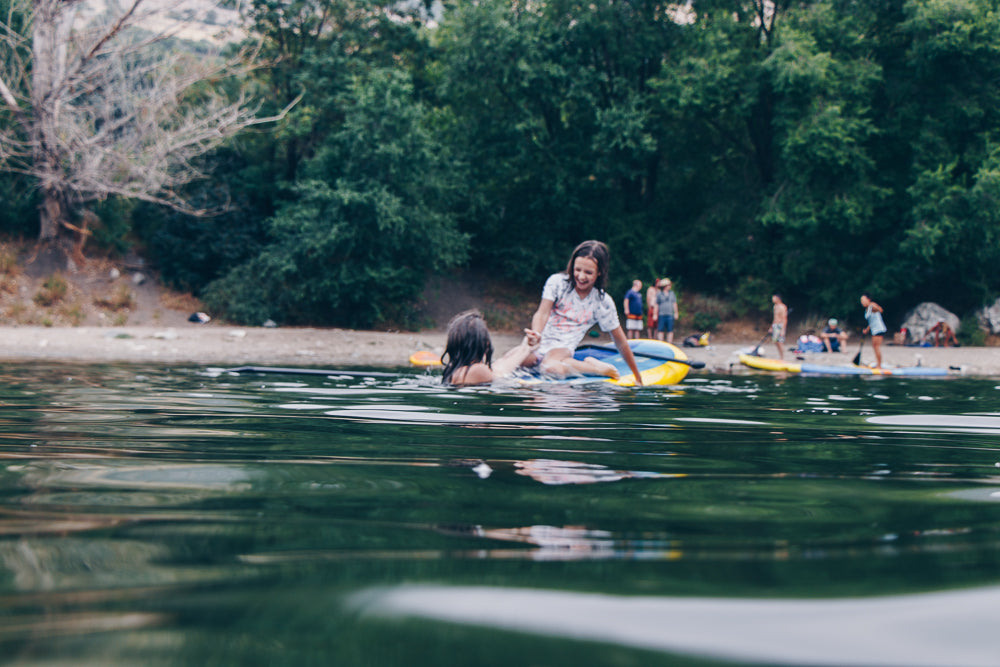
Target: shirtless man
{"x":780,"y":324}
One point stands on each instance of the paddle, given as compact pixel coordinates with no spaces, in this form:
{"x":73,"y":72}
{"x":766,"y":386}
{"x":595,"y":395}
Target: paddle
{"x":756,"y":349}
{"x":658,"y":357}
{"x":857,"y":357}
{"x":310,"y":371}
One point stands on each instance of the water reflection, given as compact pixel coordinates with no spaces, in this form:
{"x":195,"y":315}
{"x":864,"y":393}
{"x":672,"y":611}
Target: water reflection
{"x":168,"y":515}
{"x":564,"y":543}
{"x":553,"y":472}
{"x":419,"y":414}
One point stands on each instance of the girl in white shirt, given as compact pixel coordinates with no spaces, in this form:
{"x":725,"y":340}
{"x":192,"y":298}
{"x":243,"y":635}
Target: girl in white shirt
{"x":572,"y":302}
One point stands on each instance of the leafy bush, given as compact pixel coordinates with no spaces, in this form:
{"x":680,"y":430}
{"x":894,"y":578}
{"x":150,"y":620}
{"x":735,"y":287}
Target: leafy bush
{"x":705,"y":321}
{"x":121,"y":299}
{"x":970,"y":333}
{"x":19,"y":213}
{"x":751,"y":295}
{"x":114,"y":229}
{"x":368,"y":224}
{"x":53,"y":291}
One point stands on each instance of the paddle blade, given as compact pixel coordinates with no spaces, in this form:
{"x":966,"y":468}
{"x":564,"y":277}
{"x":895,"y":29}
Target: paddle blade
{"x":857,"y":357}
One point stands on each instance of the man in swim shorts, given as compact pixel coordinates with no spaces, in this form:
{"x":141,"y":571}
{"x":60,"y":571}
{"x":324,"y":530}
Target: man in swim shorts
{"x":780,"y":324}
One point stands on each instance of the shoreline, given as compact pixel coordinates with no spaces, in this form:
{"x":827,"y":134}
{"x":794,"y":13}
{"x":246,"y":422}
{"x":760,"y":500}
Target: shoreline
{"x":255,"y":346}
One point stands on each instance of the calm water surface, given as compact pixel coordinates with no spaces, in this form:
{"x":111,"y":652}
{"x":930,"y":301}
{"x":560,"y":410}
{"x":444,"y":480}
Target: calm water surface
{"x":165,"y":516}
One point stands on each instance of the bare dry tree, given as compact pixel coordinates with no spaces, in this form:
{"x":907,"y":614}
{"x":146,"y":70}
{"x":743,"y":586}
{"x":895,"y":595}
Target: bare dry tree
{"x":101,"y":107}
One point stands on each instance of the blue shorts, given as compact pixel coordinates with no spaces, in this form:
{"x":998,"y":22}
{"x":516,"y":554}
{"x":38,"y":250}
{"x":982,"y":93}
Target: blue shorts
{"x":666,"y":323}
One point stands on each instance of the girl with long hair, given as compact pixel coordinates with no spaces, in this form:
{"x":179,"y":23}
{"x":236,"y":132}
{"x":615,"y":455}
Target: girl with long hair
{"x":468,"y":354}
{"x":572,"y":302}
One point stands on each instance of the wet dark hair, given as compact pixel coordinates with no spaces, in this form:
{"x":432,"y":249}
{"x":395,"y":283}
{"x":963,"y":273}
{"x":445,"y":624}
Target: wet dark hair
{"x":468,"y":343}
{"x":598,"y":252}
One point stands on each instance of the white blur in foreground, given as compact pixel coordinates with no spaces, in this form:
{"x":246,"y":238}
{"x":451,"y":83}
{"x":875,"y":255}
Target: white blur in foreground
{"x":950,"y":628}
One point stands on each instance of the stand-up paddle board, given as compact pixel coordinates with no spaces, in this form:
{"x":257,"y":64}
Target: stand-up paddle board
{"x":425,"y":358}
{"x":658,"y":363}
{"x":780,"y":366}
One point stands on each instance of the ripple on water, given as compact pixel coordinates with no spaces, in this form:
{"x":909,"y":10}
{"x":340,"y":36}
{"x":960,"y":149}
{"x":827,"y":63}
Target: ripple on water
{"x":954,"y":423}
{"x":423,"y":414}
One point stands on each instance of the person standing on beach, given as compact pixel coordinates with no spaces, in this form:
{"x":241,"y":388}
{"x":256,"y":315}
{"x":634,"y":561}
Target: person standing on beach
{"x":666,"y":306}
{"x":633,"y":310}
{"x":651,"y":313}
{"x":876,"y":325}
{"x":779,"y":325}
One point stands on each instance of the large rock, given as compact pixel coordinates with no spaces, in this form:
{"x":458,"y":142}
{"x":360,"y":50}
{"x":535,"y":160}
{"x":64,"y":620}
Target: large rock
{"x":989,"y":318}
{"x":925,"y":316}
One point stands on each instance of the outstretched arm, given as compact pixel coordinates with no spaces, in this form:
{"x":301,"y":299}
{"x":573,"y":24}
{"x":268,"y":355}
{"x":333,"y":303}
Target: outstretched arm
{"x":541,"y":315}
{"x":621,"y":342}
{"x":515,"y":356}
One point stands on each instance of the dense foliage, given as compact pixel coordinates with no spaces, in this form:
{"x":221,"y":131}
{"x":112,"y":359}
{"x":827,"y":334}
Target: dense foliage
{"x":819,"y":149}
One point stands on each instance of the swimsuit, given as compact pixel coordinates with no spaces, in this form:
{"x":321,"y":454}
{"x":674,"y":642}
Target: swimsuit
{"x":875,"y":322}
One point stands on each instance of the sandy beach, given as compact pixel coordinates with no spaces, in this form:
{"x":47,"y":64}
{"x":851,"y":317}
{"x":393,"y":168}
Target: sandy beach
{"x":221,"y":345}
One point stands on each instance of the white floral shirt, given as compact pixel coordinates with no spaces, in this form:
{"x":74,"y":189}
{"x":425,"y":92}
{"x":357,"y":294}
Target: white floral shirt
{"x":572,"y":316}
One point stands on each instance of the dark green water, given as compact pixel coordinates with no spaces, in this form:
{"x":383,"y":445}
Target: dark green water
{"x":153,"y":516}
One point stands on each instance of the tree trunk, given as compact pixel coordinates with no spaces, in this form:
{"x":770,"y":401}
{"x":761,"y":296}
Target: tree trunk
{"x":52,"y":216}
{"x":49,"y":47}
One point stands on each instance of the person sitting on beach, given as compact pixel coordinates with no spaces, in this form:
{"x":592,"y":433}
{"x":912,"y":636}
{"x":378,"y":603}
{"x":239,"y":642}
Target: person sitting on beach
{"x":809,"y":342}
{"x":833,"y":336}
{"x":943,"y":335}
{"x":468,"y":354}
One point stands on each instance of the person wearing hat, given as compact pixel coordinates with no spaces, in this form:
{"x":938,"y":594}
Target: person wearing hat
{"x":833,"y":336}
{"x":666,"y":306}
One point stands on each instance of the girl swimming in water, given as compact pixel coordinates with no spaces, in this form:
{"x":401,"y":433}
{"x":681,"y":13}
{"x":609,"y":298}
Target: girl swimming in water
{"x":572,"y":302}
{"x":469,"y":352}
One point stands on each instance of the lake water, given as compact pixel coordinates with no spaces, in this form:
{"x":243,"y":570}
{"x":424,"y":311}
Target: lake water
{"x":186,"y":516}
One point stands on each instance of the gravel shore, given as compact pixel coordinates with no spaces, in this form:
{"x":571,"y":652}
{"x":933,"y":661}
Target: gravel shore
{"x":236,"y":346}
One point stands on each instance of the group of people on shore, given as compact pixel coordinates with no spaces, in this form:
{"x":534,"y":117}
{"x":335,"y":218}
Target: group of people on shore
{"x":661,"y":312}
{"x":833,"y":336}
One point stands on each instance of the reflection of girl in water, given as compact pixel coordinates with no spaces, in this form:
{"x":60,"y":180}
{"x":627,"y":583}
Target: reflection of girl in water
{"x":555,"y":472}
{"x":469,"y":352}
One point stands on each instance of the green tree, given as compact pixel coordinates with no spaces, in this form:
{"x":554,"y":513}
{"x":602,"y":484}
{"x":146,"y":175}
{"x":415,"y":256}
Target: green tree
{"x":555,"y":123}
{"x":945,"y":109}
{"x":312,"y":51}
{"x":369,"y":220}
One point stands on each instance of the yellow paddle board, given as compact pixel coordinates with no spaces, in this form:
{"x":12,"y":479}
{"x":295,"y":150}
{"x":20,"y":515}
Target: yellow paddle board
{"x":425,"y":358}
